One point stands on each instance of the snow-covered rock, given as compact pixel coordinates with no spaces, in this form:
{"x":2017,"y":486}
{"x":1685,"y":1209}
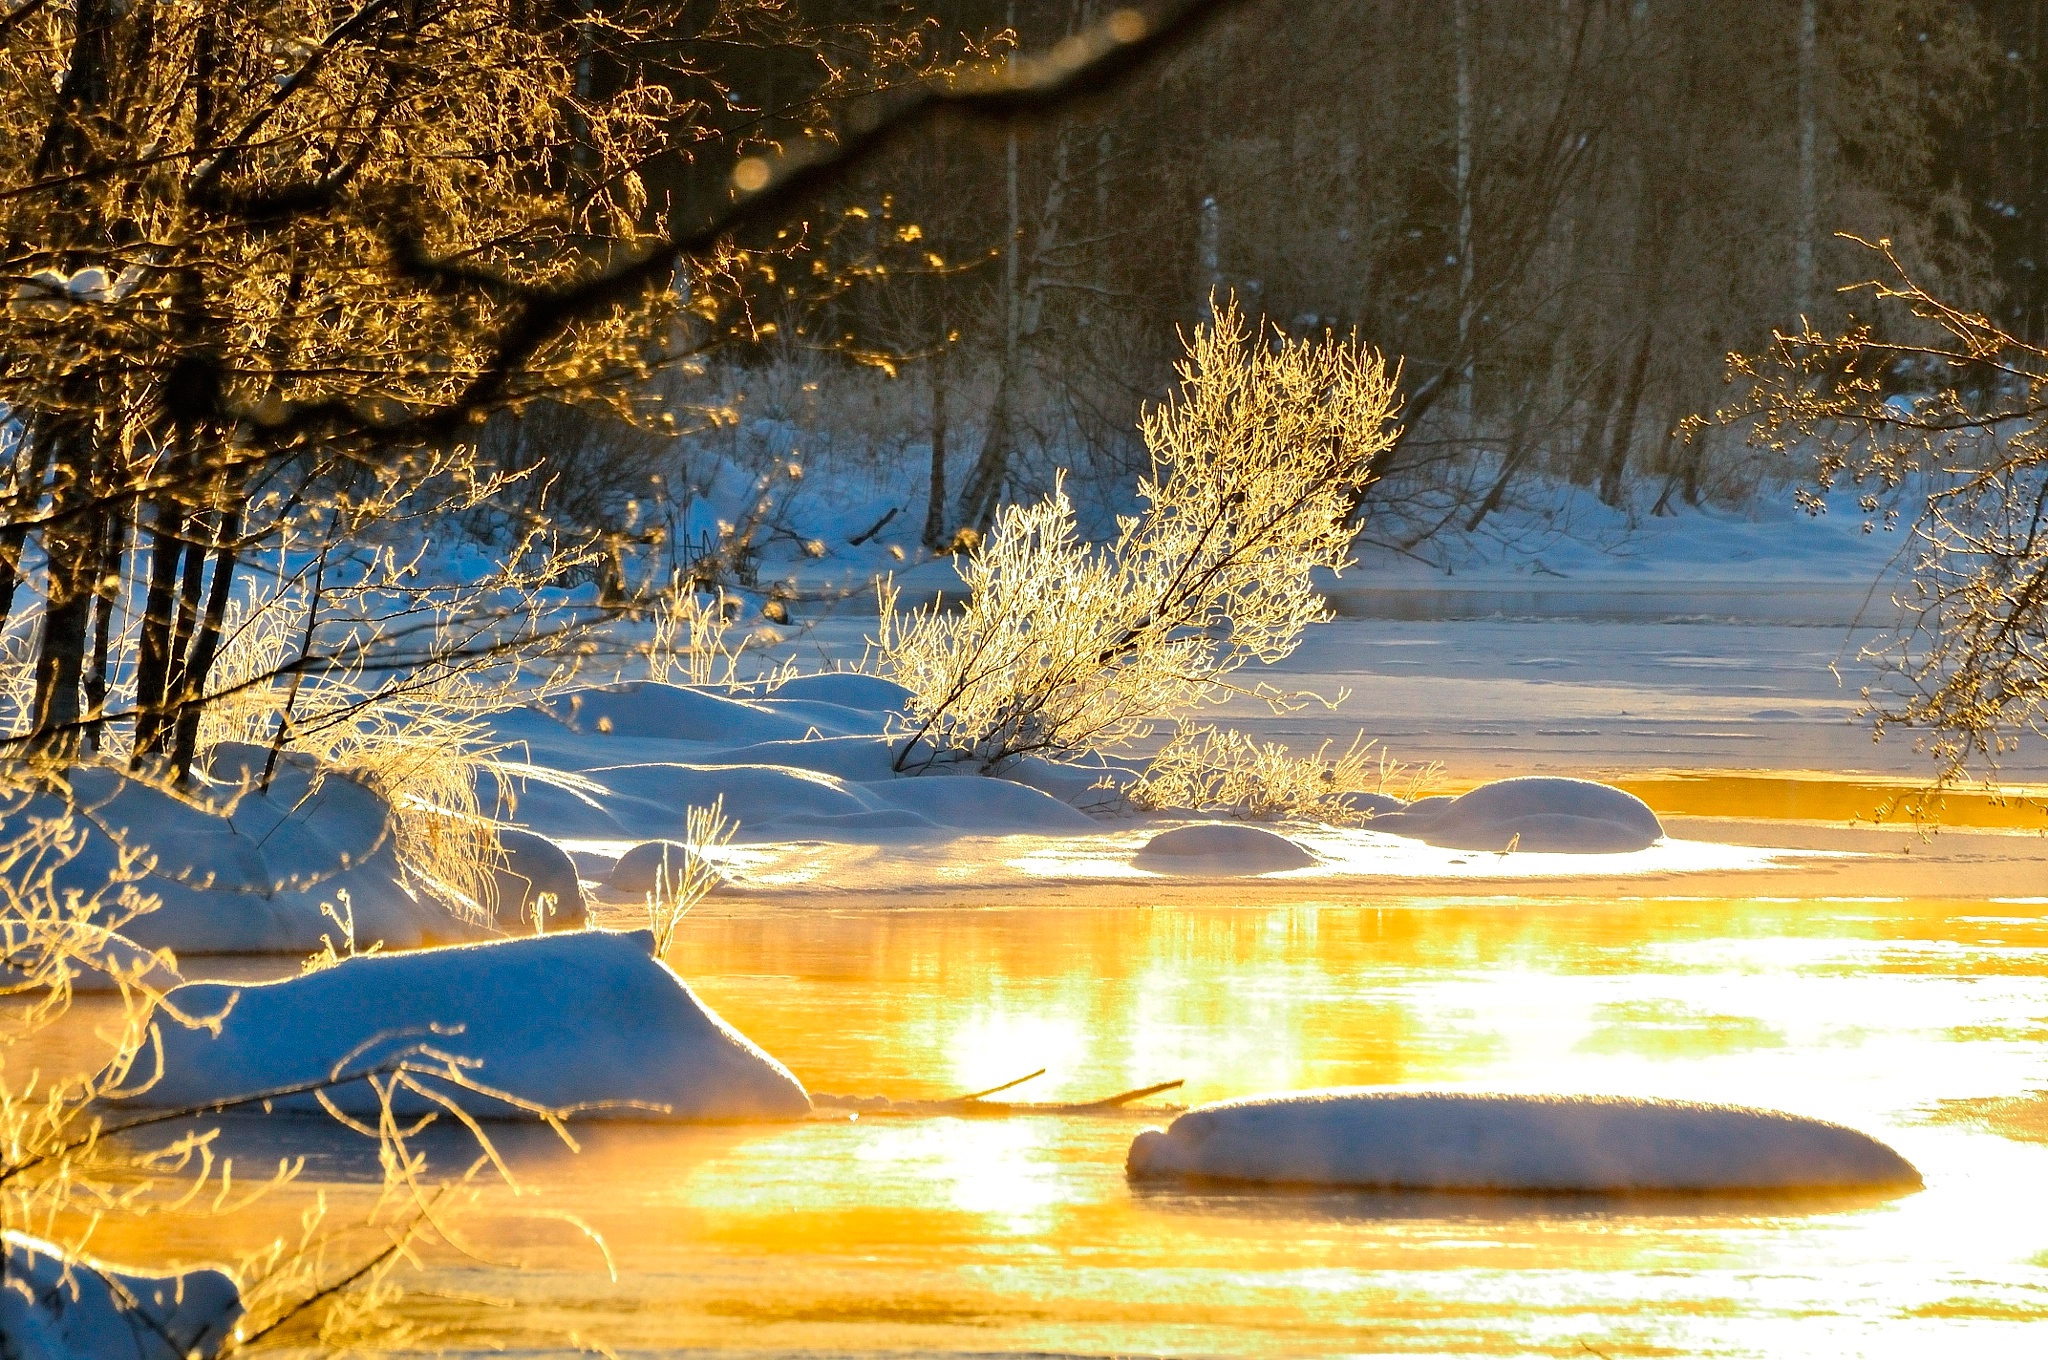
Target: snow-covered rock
{"x":1221,"y":848}
{"x":1535,"y":813}
{"x":247,"y":872}
{"x":1422,"y":1140}
{"x":584,"y":1021}
{"x":657,"y":864}
{"x":58,"y":1307}
{"x":536,"y":867}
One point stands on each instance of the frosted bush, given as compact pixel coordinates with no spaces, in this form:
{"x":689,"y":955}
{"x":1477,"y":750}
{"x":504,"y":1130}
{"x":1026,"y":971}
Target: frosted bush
{"x":1224,"y":772}
{"x":1064,"y":646}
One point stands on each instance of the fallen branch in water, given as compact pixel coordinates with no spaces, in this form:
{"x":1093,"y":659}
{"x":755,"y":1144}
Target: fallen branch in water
{"x":978,"y":1106}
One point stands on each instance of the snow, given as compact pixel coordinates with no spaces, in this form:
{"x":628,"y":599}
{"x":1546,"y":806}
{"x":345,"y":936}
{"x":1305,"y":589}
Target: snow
{"x":655,"y":864}
{"x":641,"y":754}
{"x":56,"y":1307}
{"x":536,"y":867}
{"x":848,"y":689}
{"x":1221,"y":848}
{"x":1426,"y":1140}
{"x":247,"y":872}
{"x":582,"y":1021}
{"x":1535,"y":813}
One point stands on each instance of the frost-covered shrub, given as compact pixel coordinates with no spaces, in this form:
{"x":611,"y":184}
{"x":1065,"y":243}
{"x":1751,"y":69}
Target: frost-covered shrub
{"x":1066,"y":646}
{"x":1223,"y":771}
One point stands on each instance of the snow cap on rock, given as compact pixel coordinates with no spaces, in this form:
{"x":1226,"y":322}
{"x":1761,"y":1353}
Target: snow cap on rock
{"x":582,"y":1021}
{"x":1533,"y":813}
{"x":1428,"y":1140}
{"x":1221,"y":848}
{"x":653,"y":865}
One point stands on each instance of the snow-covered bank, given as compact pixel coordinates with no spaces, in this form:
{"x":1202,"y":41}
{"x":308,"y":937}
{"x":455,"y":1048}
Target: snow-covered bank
{"x":816,"y":766}
{"x":58,"y":1307}
{"x":1424,"y":1140}
{"x":585,"y":1022}
{"x":249,"y":873}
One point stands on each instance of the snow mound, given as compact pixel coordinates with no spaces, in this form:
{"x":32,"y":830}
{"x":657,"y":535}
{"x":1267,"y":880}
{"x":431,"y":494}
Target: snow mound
{"x":578,"y":1021}
{"x":536,"y":867}
{"x":1422,"y":1140}
{"x":1373,"y":805}
{"x":672,"y":712}
{"x":771,"y":802}
{"x":1221,"y":848}
{"x":1537,"y":813}
{"x":654,"y":864}
{"x":247,"y":873}
{"x":58,"y":1307}
{"x":847,"y":689}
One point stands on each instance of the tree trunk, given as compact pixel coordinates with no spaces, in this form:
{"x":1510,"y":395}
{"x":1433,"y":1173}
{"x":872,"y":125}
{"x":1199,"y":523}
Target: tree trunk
{"x":1585,"y":460}
{"x":71,"y":541}
{"x":27,"y":494}
{"x":935,"y":501}
{"x":153,"y":651}
{"x":205,"y":646}
{"x":1467,"y":297}
{"x":186,"y":622}
{"x":1511,"y":461}
{"x":1808,"y":228}
{"x":113,"y":555}
{"x":1612,"y":476}
{"x":984,"y":489}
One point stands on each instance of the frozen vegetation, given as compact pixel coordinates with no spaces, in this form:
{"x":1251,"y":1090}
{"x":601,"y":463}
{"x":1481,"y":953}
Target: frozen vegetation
{"x":1425,"y":1140}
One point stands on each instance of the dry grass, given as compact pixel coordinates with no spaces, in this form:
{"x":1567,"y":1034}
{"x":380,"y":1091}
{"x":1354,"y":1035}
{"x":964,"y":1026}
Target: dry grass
{"x":670,"y":900}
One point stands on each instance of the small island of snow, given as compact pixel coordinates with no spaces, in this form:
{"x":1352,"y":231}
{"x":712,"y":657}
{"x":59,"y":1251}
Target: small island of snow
{"x":1426,"y":1140}
{"x":1221,"y":848}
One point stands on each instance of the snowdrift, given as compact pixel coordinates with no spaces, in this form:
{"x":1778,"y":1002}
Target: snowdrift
{"x":1221,"y":848}
{"x":1421,"y":1140}
{"x":814,"y":767}
{"x":248,"y":875}
{"x":535,"y":867}
{"x":658,"y":864}
{"x":1534,"y":813}
{"x":584,"y":1021}
{"x":73,"y":1308}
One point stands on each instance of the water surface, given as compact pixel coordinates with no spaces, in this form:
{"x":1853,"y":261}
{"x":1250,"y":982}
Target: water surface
{"x":1919,"y":1021}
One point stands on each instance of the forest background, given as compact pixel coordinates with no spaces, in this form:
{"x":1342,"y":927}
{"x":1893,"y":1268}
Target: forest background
{"x":1562,"y":215}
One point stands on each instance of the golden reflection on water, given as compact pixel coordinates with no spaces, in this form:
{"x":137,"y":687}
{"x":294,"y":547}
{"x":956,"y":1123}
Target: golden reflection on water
{"x":1913,"y":1020}
{"x":1816,"y":797}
